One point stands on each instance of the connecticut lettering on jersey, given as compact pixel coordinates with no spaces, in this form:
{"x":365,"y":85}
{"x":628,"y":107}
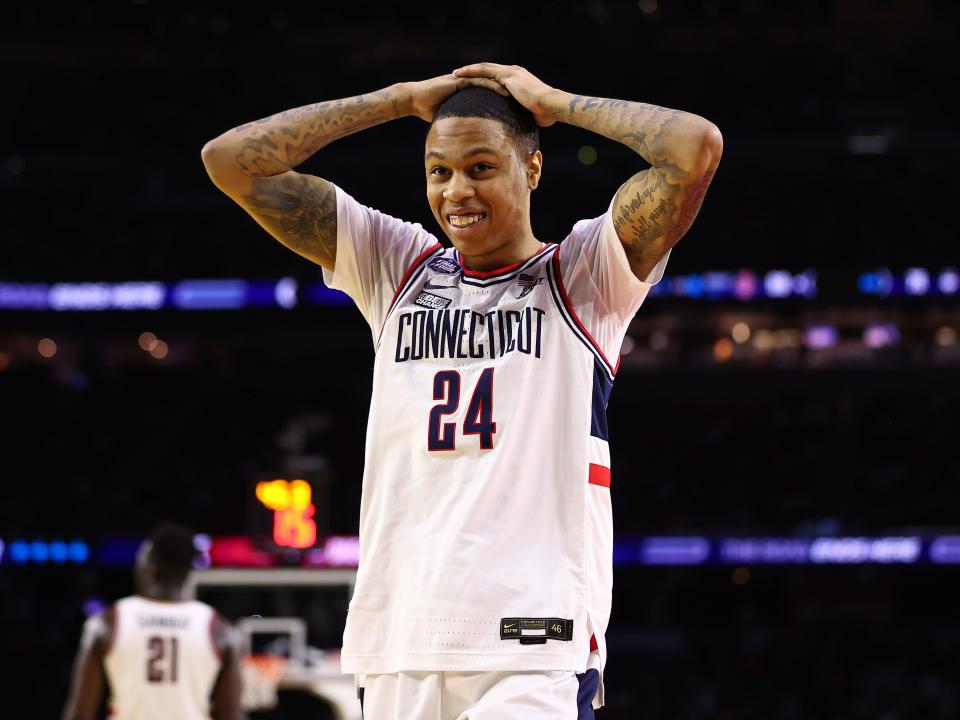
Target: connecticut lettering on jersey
{"x":461,"y":333}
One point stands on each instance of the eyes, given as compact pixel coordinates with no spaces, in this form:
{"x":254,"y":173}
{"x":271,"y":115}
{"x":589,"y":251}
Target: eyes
{"x":475,"y":169}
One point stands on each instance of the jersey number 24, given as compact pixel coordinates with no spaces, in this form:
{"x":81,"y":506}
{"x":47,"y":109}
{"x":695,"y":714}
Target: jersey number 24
{"x":479,"y":419}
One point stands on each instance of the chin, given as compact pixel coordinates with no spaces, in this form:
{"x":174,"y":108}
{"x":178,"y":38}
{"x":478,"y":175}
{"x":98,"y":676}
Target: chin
{"x":472,"y":248}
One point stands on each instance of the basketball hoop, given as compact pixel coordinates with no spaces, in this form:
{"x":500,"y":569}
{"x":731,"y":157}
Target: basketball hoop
{"x":261,"y":676}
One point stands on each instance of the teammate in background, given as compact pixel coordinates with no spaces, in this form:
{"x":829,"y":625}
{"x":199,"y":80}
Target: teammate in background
{"x":162,"y":657}
{"x":486,"y":535}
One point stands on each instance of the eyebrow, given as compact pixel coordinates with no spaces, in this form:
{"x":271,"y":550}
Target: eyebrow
{"x":479,"y":150}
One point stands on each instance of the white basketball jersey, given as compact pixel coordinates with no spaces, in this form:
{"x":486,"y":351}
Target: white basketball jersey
{"x":162,"y":661}
{"x":486,"y":536}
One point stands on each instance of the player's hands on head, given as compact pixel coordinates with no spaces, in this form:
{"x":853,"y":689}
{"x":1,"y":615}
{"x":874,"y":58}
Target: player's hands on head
{"x":529,"y":90}
{"x":426,"y":95}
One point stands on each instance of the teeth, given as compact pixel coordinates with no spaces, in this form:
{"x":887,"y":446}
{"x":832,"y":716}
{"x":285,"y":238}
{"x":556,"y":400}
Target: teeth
{"x":465,"y":220}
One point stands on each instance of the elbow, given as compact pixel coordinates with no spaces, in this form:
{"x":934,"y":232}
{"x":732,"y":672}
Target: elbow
{"x":212,"y":157}
{"x":208,"y":153}
{"x":704,"y":146}
{"x":218,"y":164}
{"x":711,"y":146}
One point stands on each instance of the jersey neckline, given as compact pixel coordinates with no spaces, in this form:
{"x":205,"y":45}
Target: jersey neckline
{"x":505,"y":270}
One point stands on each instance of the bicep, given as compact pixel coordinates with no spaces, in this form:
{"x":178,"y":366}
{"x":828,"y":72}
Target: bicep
{"x":299,"y":210}
{"x":654,"y":209}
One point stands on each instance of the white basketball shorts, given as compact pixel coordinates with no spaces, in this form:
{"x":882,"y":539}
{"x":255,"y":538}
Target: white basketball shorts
{"x":557,"y":695}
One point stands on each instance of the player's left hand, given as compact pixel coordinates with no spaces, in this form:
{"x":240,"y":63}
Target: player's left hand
{"x":529,"y":90}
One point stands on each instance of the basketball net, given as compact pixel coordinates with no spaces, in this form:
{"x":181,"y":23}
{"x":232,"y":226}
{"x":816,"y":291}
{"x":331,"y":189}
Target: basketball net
{"x":261,"y":676}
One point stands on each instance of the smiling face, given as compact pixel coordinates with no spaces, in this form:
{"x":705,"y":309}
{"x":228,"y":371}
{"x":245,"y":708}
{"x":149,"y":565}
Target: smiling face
{"x":479,"y":190}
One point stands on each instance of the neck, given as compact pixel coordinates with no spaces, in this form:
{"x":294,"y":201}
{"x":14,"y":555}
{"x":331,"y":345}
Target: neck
{"x":163,"y":593}
{"x":510,"y":253}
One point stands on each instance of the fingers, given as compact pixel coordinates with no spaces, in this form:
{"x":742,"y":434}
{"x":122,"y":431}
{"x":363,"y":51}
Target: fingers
{"x":483,"y":69}
{"x":464,"y":82}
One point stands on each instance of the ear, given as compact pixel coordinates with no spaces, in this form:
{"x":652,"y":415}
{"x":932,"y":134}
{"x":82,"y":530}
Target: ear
{"x":534,"y":168}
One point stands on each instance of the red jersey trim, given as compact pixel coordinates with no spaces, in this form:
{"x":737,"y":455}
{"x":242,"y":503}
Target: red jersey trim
{"x":213,"y":636}
{"x":599,"y":475}
{"x":505,"y":269}
{"x":593,"y":644}
{"x":406,"y":278}
{"x":558,"y":273}
{"x":111,"y":618}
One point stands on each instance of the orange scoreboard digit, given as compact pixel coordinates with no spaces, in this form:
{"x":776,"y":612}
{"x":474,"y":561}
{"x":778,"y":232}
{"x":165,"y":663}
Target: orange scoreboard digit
{"x":291,"y":501}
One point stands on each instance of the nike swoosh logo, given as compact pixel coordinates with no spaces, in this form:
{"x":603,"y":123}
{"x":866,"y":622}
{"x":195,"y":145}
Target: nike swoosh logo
{"x":430,"y":286}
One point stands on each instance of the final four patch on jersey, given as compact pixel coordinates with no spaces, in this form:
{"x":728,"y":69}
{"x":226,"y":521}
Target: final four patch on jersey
{"x":444,"y":265}
{"x":434,"y":302}
{"x":535,"y":631}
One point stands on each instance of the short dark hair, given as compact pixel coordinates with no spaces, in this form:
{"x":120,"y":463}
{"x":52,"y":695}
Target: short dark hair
{"x":483,"y":103}
{"x":172,"y":552}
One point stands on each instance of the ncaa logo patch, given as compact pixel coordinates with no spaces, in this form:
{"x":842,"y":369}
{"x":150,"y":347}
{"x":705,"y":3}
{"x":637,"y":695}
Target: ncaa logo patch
{"x":445,"y":266}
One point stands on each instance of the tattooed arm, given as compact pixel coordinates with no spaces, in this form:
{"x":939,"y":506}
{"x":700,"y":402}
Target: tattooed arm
{"x":253,"y":163}
{"x":655,"y":207}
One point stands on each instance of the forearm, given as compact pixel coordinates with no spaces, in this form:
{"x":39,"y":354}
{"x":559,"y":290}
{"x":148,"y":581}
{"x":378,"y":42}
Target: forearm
{"x":677,"y":142}
{"x":280,"y":142}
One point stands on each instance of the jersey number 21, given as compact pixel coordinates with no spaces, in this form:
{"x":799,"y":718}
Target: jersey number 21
{"x":162,"y":659}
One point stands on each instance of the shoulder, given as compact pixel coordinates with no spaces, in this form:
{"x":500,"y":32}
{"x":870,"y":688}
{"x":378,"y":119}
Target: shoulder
{"x":347,"y":202}
{"x":356,"y":216}
{"x":589,"y":229}
{"x":224,"y":636}
{"x":585,"y":239}
{"x":99,"y":630}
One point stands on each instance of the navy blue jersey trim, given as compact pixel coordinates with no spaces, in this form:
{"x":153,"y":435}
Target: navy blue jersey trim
{"x":602,"y":387}
{"x":507,"y":275}
{"x":567,"y":314}
{"x":589,"y":683}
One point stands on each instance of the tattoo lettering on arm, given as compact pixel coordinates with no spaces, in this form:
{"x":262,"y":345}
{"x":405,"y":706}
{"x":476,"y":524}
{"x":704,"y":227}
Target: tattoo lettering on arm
{"x":645,"y":218}
{"x":651,"y":214}
{"x":657,"y":206}
{"x":298,"y":210}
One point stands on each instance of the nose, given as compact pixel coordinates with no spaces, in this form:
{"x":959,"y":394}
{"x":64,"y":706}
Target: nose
{"x":458,"y":188}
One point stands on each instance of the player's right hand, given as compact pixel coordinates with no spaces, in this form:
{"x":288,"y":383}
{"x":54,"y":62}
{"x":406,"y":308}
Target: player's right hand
{"x":424,"y":96}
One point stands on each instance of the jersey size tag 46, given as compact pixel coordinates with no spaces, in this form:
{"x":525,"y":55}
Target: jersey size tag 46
{"x":536,"y":631}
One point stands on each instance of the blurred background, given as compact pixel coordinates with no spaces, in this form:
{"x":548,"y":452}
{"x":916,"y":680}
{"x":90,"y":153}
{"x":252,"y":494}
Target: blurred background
{"x":785,"y":422}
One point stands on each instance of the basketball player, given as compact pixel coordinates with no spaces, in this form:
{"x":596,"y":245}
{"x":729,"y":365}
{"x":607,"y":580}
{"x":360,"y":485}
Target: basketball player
{"x":485,"y":576}
{"x":163,"y":657}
